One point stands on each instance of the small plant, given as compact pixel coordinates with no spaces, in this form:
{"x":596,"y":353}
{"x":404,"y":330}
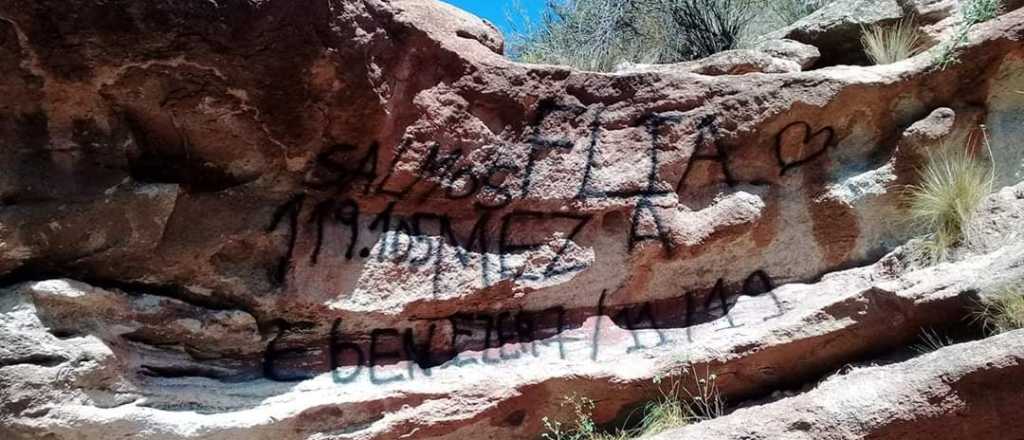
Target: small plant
{"x":972,"y":12}
{"x":695,"y":400}
{"x":892,"y":43}
{"x":1004,"y":310}
{"x":931,"y":340}
{"x":582,"y":427}
{"x":705,"y":402}
{"x":668,"y":412}
{"x":953,"y":185}
{"x":979,"y":11}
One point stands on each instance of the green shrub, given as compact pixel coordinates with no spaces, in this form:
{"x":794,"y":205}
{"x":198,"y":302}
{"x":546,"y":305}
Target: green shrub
{"x":972,"y":12}
{"x":585,"y":34}
{"x":892,"y":43}
{"x":705,"y":27}
{"x":978,"y":11}
{"x":953,"y":185}
{"x":598,"y":35}
{"x":788,"y":12}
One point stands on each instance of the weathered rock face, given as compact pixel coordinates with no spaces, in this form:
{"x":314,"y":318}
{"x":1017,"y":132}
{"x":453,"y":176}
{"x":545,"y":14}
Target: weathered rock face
{"x":837,"y":26}
{"x":931,"y":397}
{"x":356,"y":219}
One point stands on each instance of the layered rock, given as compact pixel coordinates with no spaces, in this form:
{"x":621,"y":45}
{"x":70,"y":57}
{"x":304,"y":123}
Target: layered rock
{"x":753,"y":344}
{"x":359,"y":220}
{"x":926,"y":398}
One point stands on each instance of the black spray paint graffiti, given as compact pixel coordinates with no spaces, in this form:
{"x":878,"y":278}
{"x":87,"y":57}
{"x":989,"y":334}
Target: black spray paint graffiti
{"x":503,"y":336}
{"x":708,"y":149}
{"x":447,"y":169}
{"x":806,"y":147}
{"x":342,"y":166}
{"x":420,"y":239}
{"x":796,"y":144}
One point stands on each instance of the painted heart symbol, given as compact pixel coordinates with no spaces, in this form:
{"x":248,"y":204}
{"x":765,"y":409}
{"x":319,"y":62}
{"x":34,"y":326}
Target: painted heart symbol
{"x":797,"y":145}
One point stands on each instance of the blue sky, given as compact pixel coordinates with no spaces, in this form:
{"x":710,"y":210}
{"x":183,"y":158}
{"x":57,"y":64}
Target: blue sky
{"x":494,"y":10}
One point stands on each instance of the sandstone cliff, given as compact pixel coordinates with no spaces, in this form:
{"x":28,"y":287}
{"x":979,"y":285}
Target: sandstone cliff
{"x":356,"y":219}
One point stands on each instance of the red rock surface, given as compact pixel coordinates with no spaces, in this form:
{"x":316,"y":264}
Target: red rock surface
{"x":205,"y":206}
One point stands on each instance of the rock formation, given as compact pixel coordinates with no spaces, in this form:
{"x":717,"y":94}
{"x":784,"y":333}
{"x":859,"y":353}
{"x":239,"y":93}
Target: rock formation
{"x":356,"y":219}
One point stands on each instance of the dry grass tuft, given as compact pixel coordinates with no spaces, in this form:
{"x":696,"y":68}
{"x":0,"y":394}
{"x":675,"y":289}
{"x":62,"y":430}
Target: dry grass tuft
{"x":1004,"y":310}
{"x":953,"y":185}
{"x":692,"y":399}
{"x":889,"y":44}
{"x":931,"y":340}
{"x":662,"y":415}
